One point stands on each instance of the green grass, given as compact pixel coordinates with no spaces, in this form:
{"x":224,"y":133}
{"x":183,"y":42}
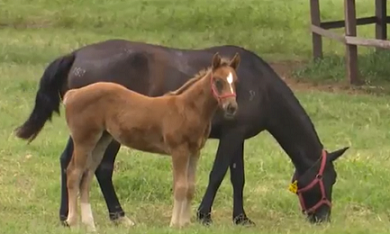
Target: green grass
{"x":35,"y":32}
{"x":373,"y":69}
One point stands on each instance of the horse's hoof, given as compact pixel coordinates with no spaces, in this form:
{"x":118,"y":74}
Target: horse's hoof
{"x":185,"y":224}
{"x":65,"y":223}
{"x":125,"y":221}
{"x":173,"y":225}
{"x":243,"y":220}
{"x":63,"y":218}
{"x":179,"y":225}
{"x":204,"y":219}
{"x":91,"y":229}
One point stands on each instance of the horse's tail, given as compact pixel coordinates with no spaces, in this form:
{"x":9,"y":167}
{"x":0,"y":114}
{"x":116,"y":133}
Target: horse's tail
{"x":47,"y":98}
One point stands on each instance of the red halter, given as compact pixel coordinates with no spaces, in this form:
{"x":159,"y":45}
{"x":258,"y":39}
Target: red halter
{"x":318,"y":179}
{"x":215,"y":92}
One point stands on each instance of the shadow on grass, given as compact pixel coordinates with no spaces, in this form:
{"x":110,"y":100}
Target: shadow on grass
{"x":374,"y":69}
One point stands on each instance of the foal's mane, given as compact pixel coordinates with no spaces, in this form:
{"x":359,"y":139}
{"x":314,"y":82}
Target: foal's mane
{"x":197,"y":77}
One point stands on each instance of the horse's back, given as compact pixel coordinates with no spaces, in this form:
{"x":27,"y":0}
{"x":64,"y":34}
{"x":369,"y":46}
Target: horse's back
{"x":154,"y":70}
{"x":106,"y":86}
{"x":110,"y":61}
{"x":92,"y":93}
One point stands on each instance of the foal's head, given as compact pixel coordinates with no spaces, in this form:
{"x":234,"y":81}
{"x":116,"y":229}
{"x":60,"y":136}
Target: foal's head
{"x":223,"y":80}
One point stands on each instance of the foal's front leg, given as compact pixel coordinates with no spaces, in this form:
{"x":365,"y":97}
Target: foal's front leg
{"x":180,"y":161}
{"x":192,"y":166}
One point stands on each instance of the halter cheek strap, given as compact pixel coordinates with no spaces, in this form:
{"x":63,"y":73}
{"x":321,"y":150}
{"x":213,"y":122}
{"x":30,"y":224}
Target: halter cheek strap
{"x":216,"y":94}
{"x":317,"y":180}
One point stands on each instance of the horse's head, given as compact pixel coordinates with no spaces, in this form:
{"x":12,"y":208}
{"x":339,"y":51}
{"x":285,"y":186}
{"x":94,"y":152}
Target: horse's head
{"x":223,"y":82}
{"x":314,"y":187}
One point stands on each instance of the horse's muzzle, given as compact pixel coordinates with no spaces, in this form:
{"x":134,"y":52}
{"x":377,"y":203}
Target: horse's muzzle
{"x":230,"y":110}
{"x":321,"y":216}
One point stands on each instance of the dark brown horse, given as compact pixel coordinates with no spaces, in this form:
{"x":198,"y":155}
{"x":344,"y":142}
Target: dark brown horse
{"x":266,"y":103}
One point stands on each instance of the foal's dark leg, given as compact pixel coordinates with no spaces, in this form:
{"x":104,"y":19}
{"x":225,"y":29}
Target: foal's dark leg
{"x":64,"y":161}
{"x":237,"y":178}
{"x":228,"y":145}
{"x":104,"y":176}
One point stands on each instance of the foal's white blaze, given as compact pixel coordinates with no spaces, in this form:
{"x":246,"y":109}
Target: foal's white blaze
{"x":230,"y":81}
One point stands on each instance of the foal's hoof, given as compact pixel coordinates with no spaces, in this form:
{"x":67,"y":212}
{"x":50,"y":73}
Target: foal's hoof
{"x":204,"y":219}
{"x":91,"y":229}
{"x":123,"y":220}
{"x":66,"y":224}
{"x":179,"y":225}
{"x":243,"y":220}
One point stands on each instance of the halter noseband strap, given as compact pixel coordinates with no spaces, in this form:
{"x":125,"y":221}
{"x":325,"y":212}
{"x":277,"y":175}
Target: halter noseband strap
{"x":215,"y":92}
{"x":317,"y":180}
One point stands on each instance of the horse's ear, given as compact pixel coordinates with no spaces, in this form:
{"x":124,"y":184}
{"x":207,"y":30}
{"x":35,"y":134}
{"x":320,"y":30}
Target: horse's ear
{"x":235,"y":61}
{"x":216,"y":60}
{"x":336,"y":154}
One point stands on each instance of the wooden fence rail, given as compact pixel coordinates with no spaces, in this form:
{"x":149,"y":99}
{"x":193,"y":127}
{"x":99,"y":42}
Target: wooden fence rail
{"x":321,"y":29}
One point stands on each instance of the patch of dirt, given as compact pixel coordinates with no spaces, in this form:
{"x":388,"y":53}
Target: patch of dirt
{"x":285,"y":69}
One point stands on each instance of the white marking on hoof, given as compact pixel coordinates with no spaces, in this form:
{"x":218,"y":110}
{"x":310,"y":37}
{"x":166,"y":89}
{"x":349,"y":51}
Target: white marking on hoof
{"x":125,"y":221}
{"x":91,"y":228}
{"x":87,"y":217}
{"x":71,"y":223}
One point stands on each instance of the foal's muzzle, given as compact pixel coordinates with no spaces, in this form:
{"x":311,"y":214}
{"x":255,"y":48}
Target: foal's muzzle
{"x":230,"y":109}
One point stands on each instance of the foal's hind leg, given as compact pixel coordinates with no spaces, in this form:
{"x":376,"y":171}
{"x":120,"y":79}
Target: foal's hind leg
{"x":74,"y":172}
{"x":83,"y":147}
{"x":95,"y":159}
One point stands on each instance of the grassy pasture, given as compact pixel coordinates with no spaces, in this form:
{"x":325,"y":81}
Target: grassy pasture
{"x":34,"y":32}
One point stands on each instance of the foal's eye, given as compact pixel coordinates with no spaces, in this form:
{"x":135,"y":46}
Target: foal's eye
{"x":219,"y":84}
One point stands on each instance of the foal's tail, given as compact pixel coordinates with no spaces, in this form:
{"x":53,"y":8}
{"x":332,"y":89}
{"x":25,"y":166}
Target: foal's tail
{"x":47,"y":98}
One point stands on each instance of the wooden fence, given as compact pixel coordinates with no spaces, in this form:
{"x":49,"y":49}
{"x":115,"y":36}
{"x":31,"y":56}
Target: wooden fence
{"x":350,"y":39}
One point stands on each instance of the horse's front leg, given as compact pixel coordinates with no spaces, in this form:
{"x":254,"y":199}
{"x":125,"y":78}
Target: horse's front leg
{"x":64,"y":162}
{"x":229,"y":144}
{"x":180,"y":161}
{"x":237,"y":178}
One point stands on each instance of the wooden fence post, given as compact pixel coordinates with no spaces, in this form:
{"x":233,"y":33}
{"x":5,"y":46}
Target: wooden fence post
{"x":351,"y":50}
{"x":380,"y":24}
{"x":316,"y":20}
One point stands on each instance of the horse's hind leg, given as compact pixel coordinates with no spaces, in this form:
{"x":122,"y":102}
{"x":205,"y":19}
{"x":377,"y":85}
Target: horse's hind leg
{"x":103,"y":175}
{"x":95,"y":159}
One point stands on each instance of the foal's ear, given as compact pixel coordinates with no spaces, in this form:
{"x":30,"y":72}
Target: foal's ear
{"x":235,"y":61}
{"x":216,"y":60}
{"x":336,"y":154}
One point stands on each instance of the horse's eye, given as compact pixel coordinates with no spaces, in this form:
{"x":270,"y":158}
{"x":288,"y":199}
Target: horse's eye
{"x":219,"y":85}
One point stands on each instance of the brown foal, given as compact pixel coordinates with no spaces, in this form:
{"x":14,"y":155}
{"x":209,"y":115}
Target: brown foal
{"x":176,"y":124}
